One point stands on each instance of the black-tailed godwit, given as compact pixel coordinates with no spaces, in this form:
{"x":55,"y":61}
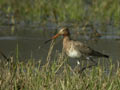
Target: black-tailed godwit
{"x":76,"y":49}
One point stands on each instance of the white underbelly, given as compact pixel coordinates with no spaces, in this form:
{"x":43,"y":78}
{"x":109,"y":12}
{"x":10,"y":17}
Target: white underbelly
{"x":73,"y":54}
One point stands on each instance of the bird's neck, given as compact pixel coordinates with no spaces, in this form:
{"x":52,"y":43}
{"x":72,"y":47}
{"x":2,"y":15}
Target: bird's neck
{"x":66,"y":42}
{"x":66,"y":38}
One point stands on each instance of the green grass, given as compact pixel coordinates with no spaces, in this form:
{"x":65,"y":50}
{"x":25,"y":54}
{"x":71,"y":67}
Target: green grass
{"x":56,"y":75}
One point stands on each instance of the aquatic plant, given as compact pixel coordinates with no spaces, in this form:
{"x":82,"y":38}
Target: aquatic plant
{"x":56,"y":74}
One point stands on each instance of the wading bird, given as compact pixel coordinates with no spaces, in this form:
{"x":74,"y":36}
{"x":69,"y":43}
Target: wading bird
{"x":76,"y":49}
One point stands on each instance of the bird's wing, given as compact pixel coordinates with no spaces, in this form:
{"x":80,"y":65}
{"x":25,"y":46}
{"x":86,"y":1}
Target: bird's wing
{"x":83,"y":48}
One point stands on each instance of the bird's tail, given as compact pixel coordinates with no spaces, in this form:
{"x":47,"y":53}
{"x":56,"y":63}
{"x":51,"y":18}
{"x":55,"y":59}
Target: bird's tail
{"x":98,"y":54}
{"x":106,"y":56}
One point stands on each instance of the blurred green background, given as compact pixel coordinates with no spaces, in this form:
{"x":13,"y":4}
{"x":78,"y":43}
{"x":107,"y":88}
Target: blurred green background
{"x":103,"y":11}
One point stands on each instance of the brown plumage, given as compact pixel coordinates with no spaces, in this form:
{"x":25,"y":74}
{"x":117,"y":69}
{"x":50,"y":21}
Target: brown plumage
{"x":76,"y":49}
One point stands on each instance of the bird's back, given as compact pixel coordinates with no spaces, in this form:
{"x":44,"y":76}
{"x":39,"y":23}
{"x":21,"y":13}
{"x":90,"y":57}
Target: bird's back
{"x":81,"y":49}
{"x":87,"y":51}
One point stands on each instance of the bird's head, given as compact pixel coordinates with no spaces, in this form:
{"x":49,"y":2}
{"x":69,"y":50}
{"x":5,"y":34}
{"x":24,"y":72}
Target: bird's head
{"x":63,"y":31}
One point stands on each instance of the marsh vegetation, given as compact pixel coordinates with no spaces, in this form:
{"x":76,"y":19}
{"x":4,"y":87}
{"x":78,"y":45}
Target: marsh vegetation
{"x":102,"y":11}
{"x":27,"y":24}
{"x":57,"y":74}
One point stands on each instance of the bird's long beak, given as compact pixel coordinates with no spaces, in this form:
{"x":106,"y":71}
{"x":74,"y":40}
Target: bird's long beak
{"x":54,"y":37}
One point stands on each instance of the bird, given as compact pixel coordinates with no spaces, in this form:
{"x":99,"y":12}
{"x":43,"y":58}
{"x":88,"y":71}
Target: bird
{"x":76,"y":49}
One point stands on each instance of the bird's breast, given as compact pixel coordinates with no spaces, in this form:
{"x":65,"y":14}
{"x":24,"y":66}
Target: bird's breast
{"x":73,"y":53}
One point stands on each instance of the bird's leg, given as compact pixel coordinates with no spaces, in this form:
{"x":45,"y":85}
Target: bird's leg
{"x":80,"y":65}
{"x":95,"y":63}
{"x":77,"y":67}
{"x":78,"y":62}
